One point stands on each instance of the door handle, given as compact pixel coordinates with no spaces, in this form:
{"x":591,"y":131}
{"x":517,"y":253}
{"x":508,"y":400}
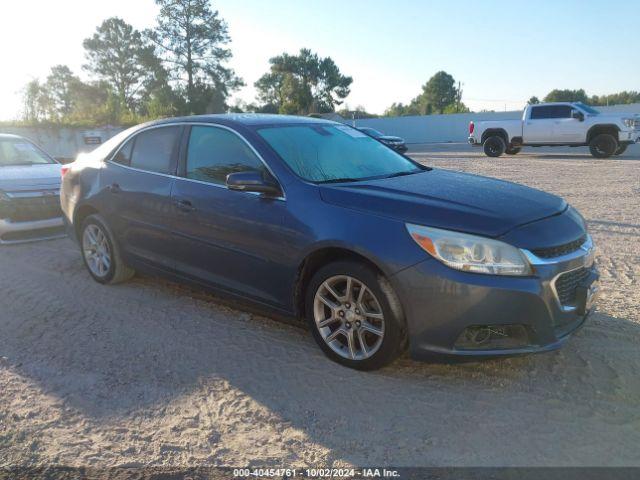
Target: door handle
{"x":114,"y":188}
{"x":184,"y":205}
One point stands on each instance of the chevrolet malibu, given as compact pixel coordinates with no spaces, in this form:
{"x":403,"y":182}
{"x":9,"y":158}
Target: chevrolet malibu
{"x":29,"y":192}
{"x":318,"y":221}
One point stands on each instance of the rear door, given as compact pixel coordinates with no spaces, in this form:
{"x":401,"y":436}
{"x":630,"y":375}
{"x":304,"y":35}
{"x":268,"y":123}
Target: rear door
{"x":539,"y":127}
{"x":137,"y":184}
{"x":231,"y":239}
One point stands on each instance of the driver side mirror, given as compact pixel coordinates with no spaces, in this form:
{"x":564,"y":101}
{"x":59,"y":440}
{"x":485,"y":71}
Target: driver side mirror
{"x":578,"y":115}
{"x":253,"y":181}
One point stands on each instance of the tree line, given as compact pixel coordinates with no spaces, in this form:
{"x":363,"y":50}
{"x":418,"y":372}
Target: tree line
{"x":567,"y":95}
{"x":180,"y":67}
{"x":176,"y":68}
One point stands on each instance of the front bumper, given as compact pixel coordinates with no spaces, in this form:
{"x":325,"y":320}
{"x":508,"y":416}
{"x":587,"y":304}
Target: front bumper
{"x":21,"y":232}
{"x":630,"y":136}
{"x":441,"y":303}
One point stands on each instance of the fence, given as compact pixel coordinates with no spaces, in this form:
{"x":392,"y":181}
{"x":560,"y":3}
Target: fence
{"x":66,"y":143}
{"x":455,"y":127}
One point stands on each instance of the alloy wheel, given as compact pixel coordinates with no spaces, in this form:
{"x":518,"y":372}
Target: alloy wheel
{"x":349,"y":317}
{"x":96,"y":250}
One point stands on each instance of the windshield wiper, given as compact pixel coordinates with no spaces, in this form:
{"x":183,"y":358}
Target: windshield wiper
{"x":402,"y":174}
{"x":340,"y":180}
{"x":18,"y":164}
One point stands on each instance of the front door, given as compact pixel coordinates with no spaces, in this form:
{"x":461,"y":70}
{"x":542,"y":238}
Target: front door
{"x":231,"y":239}
{"x":568,"y":129}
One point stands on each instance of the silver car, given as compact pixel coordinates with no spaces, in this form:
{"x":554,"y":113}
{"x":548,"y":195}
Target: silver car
{"x":29,"y":192}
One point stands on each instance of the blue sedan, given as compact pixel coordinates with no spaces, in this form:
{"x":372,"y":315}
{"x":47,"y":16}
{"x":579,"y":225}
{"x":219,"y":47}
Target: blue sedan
{"x":318,"y":221}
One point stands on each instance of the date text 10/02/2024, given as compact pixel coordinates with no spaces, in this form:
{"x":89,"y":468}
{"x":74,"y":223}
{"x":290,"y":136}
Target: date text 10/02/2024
{"x":315,"y":473}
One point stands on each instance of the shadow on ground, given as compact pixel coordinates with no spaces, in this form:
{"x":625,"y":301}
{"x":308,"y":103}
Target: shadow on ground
{"x":136,"y":349}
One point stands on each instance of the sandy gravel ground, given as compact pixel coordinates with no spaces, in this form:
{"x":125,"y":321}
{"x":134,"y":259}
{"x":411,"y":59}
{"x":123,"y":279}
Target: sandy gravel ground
{"x":151,"y":373}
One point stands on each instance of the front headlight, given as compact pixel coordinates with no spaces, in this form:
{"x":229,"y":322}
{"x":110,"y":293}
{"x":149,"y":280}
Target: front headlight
{"x":629,"y":122}
{"x":470,"y":253}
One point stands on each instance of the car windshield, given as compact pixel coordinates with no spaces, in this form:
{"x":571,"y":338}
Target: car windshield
{"x":333,"y":153}
{"x":17,"y":151}
{"x":588,"y":109}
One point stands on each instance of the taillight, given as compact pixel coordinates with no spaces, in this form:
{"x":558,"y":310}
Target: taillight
{"x":64,"y":169}
{"x":472,"y":127}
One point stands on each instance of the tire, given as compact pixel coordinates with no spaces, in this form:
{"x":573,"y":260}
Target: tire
{"x":494,"y":146}
{"x":621,"y":149}
{"x":384,"y":338}
{"x":101,"y":254}
{"x":512,"y":150}
{"x":603,"y":145}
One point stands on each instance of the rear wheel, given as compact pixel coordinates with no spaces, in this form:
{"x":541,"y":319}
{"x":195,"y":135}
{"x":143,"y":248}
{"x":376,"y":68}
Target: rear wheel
{"x":494,"y":146}
{"x":355,"y":316}
{"x":621,"y":149}
{"x":512,"y":150}
{"x":603,"y":145}
{"x":101,"y":254}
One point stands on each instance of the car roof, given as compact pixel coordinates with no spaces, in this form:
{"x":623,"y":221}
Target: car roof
{"x":552,"y":104}
{"x":248,"y":119}
{"x":10,"y":136}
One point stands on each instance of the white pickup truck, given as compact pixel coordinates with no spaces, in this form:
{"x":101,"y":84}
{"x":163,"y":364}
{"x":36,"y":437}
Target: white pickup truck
{"x":556,"y":124}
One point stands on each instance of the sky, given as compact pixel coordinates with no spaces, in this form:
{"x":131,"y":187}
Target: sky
{"x":503,"y":52}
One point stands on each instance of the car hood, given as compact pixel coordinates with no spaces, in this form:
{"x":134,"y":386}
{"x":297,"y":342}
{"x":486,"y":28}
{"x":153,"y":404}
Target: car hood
{"x":449,"y":200}
{"x":601,"y":118}
{"x":389,"y":138}
{"x":29,"y":177}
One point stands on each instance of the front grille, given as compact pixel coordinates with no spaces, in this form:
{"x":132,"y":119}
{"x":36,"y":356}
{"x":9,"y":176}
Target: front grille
{"x":551,"y":252}
{"x":567,"y":284}
{"x":28,"y":209}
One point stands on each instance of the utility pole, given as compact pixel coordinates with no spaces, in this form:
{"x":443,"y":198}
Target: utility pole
{"x":459,"y":96}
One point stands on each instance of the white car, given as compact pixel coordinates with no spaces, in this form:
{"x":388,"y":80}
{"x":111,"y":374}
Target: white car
{"x":29,"y":192}
{"x":558,"y":124}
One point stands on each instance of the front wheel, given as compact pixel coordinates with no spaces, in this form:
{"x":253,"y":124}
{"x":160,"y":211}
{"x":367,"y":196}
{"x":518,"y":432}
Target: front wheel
{"x":101,"y":254}
{"x":494,"y":146}
{"x":621,"y":149}
{"x":603,"y":145}
{"x":512,"y":150}
{"x":355,"y":316}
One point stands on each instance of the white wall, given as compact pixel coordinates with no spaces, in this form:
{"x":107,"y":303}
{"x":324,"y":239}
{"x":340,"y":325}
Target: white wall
{"x":66,"y":143}
{"x":63,"y":143}
{"x":452,"y":128}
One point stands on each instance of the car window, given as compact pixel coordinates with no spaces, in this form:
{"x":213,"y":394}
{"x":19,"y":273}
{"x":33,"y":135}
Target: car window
{"x":153,"y":149}
{"x":551,"y":111}
{"x":123,"y":156}
{"x":562,"y":111}
{"x":213,"y":153}
{"x":16,"y":151}
{"x":109,"y":146}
